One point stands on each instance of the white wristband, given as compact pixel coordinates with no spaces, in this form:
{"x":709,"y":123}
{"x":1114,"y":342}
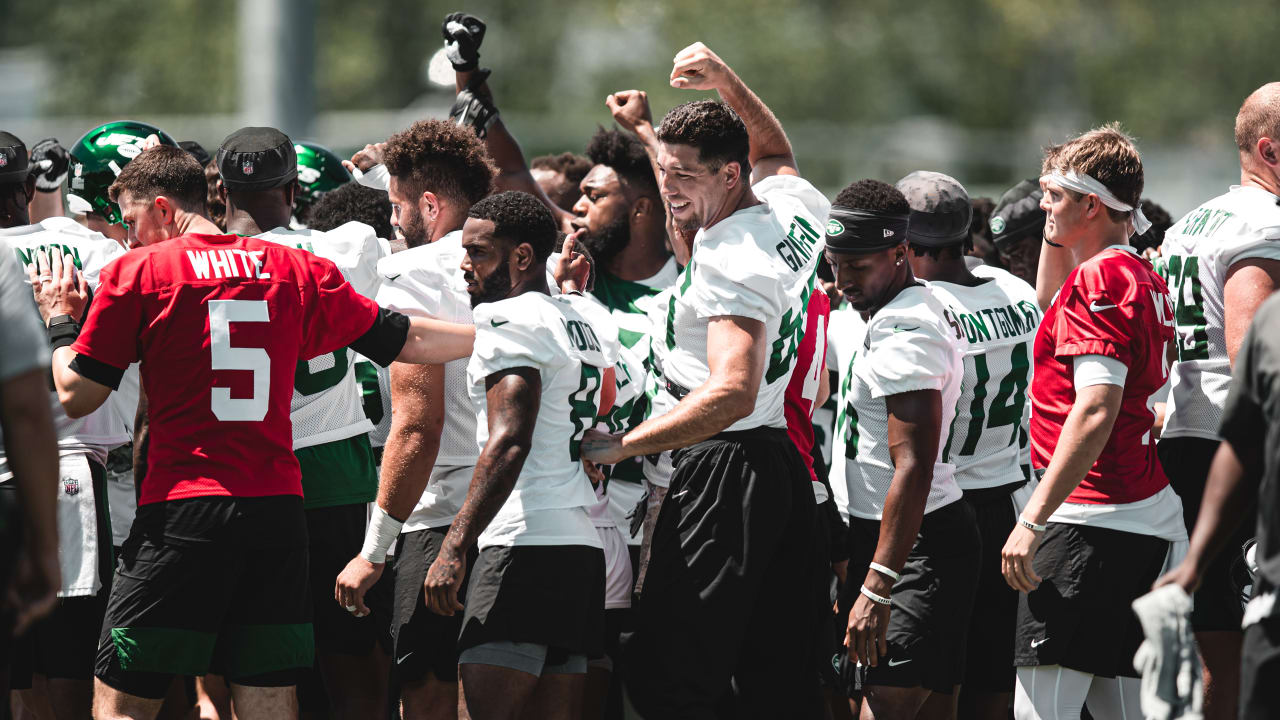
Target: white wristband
{"x":874,"y":597}
{"x":1030,"y":525}
{"x":885,"y":571}
{"x":377,"y":177}
{"x":382,"y":531}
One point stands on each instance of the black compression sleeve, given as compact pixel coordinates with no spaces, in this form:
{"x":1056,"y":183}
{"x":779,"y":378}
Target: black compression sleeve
{"x":384,"y":340}
{"x":97,"y":371}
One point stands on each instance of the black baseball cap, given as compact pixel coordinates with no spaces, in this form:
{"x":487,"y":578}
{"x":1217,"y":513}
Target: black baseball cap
{"x":15,"y":162}
{"x":196,"y":150}
{"x":1017,"y":214}
{"x":257,"y":158}
{"x":940,"y":209}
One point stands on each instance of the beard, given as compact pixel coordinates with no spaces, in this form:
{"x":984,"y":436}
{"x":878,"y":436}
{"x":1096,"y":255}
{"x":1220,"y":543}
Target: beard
{"x":605,"y":244}
{"x":414,"y":230}
{"x":493,"y":287}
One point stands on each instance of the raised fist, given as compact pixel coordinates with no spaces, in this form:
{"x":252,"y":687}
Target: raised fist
{"x":630,"y":109}
{"x":50,"y":161}
{"x":463,"y":34}
{"x":697,"y":68}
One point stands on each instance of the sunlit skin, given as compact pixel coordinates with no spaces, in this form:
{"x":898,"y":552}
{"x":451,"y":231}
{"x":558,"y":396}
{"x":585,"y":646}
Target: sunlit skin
{"x":696,"y":196}
{"x":406,"y":217}
{"x":1065,"y":223}
{"x":115,"y":231}
{"x":145,"y":219}
{"x":869,"y":281}
{"x":491,"y":269}
{"x":604,"y":200}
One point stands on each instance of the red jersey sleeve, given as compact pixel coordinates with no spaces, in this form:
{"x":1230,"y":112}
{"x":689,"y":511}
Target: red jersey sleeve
{"x":1091,"y":321}
{"x":334,"y":314}
{"x":111,"y":331}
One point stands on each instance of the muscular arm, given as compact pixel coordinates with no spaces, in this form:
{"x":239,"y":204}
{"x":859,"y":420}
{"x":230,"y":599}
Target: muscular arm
{"x":434,"y":342}
{"x":417,"y":396}
{"x":1249,"y":282}
{"x":736,"y":358}
{"x":770,"y":152}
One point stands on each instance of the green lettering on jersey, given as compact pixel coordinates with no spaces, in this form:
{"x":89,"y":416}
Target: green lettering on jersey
{"x":782,"y":353}
{"x":28,"y":257}
{"x":1188,"y":307}
{"x":321,"y":373}
{"x":583,"y":408}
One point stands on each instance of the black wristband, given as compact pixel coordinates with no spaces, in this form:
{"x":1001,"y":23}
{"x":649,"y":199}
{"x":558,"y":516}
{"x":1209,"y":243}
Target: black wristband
{"x":63,"y":334}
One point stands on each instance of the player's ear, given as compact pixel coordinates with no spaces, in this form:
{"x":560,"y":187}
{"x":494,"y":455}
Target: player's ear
{"x":1267,"y":151}
{"x":524,"y":256}
{"x":643,"y":207}
{"x":429,"y":205}
{"x":732,"y":174}
{"x":166,"y":209}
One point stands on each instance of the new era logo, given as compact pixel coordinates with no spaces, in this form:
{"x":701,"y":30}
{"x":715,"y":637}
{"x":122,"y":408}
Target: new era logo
{"x":888,"y":233}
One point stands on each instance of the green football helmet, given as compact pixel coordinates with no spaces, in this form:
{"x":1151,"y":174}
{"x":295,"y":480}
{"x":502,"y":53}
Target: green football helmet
{"x":319,"y":171}
{"x":99,"y":156}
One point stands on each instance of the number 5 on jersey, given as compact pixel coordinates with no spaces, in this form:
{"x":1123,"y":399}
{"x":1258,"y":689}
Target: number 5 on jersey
{"x":225,"y":357}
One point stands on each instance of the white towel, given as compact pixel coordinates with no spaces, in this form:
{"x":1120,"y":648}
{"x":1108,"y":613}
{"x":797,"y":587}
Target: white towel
{"x":1171,"y":681}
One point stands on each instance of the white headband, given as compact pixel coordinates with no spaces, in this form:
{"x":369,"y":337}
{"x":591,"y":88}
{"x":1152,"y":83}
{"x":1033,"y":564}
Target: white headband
{"x":1087,"y":184}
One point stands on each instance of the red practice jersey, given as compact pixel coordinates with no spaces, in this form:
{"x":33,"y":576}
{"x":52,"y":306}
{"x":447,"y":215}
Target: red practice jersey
{"x":220,"y":323}
{"x":1115,"y":305}
{"x":802,"y":391}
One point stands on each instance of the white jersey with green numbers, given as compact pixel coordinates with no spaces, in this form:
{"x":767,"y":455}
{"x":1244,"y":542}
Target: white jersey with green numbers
{"x":846,"y":331}
{"x":1198,"y":251}
{"x":999,"y":319}
{"x":758,"y":263}
{"x":327,"y":404}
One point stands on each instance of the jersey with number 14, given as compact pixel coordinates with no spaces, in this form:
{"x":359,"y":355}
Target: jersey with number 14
{"x":999,"y":319}
{"x":1198,"y":251}
{"x":220,"y":323}
{"x":758,"y":263}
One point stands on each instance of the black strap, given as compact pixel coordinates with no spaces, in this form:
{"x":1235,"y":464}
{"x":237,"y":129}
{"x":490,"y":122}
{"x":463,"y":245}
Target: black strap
{"x":97,"y":371}
{"x":385,"y":338}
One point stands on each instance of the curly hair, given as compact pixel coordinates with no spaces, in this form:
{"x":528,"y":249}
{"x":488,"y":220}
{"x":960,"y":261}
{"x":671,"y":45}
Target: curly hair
{"x":1161,"y":221}
{"x":348,"y":202}
{"x":443,"y":158}
{"x":873,"y":195}
{"x":623,"y":152}
{"x":163,"y":170}
{"x":713,"y":128}
{"x":572,"y":166}
{"x":519,"y":217}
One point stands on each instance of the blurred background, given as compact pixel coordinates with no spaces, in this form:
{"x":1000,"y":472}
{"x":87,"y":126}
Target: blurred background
{"x":867,"y":88}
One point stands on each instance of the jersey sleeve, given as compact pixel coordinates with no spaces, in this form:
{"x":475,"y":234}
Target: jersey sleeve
{"x":418,"y":291}
{"x":1092,"y":321}
{"x":360,"y":258}
{"x":907,"y":354}
{"x":114,"y":324}
{"x":505,"y":341}
{"x":796,"y":189}
{"x":334,"y":314}
{"x":723,"y":285}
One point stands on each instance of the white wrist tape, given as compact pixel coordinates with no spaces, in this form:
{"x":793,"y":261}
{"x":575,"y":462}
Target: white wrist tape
{"x":382,"y":531}
{"x":880,"y":599}
{"x":378,"y":177}
{"x":886,"y":571}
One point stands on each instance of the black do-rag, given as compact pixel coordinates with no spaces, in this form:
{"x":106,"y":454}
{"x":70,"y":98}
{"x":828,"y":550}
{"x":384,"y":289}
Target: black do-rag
{"x":850,"y":230}
{"x":14,"y":164}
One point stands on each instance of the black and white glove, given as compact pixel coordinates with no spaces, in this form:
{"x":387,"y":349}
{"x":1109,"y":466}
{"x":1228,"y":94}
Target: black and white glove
{"x":49,"y":163}
{"x":463,"y":34}
{"x":472,"y":109}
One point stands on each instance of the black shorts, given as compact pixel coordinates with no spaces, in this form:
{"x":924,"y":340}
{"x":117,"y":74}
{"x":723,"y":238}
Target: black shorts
{"x":989,"y":654}
{"x":210,"y":584}
{"x":1080,"y":617}
{"x":550,"y":595}
{"x":1218,"y":605}
{"x":735,"y":586}
{"x":423,"y":641}
{"x":336,"y":534}
{"x":927,"y":632}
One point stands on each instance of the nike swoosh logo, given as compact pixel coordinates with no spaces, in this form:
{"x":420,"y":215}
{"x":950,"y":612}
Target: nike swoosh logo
{"x":1095,"y":307}
{"x":1038,"y":643}
{"x":400,"y":660}
{"x":902,"y":329}
{"x":896,"y":663}
{"x":392,"y":278}
{"x":682,"y":492}
{"x":495,"y":323}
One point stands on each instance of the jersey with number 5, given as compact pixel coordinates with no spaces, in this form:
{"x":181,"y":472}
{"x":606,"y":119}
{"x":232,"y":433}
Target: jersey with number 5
{"x":999,"y":319}
{"x":219,"y":323}
{"x":571,"y":341}
{"x":1198,"y":252}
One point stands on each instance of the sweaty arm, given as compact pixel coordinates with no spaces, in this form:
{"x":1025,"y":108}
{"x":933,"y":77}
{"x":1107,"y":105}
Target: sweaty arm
{"x":417,"y":393}
{"x":736,"y":358}
{"x":770,"y":152}
{"x":1249,"y":282}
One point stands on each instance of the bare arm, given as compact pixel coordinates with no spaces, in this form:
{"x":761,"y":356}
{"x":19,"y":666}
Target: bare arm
{"x":698,"y":68}
{"x":1055,"y":265}
{"x":824,"y":389}
{"x":417,"y":396}
{"x":630,"y":108}
{"x":1249,"y":282}
{"x":78,"y":394}
{"x":435,"y":342}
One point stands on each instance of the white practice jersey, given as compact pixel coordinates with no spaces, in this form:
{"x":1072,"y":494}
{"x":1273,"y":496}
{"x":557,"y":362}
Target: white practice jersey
{"x":911,"y":344}
{"x":999,"y":319}
{"x":375,"y":389}
{"x":571,"y":341}
{"x":104,"y":428}
{"x":657,"y":468}
{"x":1198,"y":251}
{"x":758,"y":263}
{"x":427,"y":280}
{"x":846,"y":331}
{"x":327,"y":404}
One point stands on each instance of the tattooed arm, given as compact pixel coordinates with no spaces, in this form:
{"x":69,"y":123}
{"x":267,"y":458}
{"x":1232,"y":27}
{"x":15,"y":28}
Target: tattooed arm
{"x":513,"y":399}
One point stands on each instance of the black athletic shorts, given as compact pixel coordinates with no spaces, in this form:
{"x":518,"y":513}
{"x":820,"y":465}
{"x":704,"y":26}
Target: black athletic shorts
{"x":1218,"y":606}
{"x":423,"y":641}
{"x":64,"y":644}
{"x":989,"y":654}
{"x":1260,"y":666}
{"x":735,"y":586}
{"x":550,"y":595}
{"x":336,"y":535}
{"x":928,"y":631}
{"x":210,"y":584}
{"x":1080,"y":617}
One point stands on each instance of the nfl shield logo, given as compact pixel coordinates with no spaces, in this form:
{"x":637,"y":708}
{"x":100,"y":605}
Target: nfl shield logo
{"x":247,"y":167}
{"x":4,"y":159}
{"x":71,"y":486}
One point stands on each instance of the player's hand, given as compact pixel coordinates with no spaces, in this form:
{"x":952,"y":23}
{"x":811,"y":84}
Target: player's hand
{"x":1016,"y":557}
{"x":51,"y":161}
{"x":630,"y":109}
{"x":697,"y":68}
{"x":33,"y":591}
{"x":365,"y":159}
{"x":463,"y":34}
{"x":572,"y":269}
{"x":1185,"y":575}
{"x":58,"y":288}
{"x":354,"y":581}
{"x":594,"y":473}
{"x":603,"y":448}
{"x":866,"y":636}
{"x":444,"y":579}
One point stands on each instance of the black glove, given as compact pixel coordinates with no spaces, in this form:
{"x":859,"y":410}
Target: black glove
{"x":49,"y":161}
{"x":636,"y":516}
{"x":473,"y":110}
{"x":463,"y":34}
